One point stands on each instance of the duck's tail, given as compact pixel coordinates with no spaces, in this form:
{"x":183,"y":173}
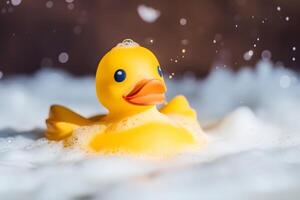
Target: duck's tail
{"x":62,"y":121}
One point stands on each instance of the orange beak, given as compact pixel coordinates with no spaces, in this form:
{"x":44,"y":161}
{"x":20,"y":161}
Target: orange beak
{"x":147,"y":92}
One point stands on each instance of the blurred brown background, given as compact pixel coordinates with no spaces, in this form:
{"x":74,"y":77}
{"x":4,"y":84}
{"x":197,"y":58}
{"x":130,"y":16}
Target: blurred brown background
{"x":188,"y":35}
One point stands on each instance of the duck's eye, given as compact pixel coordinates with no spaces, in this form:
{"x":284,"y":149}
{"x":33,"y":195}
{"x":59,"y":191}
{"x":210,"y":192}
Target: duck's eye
{"x":120,"y":75}
{"x":159,"y":71}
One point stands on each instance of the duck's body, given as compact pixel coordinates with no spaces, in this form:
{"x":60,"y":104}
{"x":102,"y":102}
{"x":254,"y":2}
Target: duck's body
{"x":133,"y":126}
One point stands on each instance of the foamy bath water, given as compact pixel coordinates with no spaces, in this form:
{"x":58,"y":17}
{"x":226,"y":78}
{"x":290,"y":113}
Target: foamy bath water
{"x":251,"y":118}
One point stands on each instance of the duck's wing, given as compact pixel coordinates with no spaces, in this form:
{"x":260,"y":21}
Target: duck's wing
{"x":179,"y":106}
{"x":179,"y":110}
{"x":62,"y":121}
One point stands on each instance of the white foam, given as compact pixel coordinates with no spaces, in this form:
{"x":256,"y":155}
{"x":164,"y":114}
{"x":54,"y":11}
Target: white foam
{"x":251,"y":121}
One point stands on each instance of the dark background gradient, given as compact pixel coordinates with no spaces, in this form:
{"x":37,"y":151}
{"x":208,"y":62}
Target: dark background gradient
{"x":33,"y":36}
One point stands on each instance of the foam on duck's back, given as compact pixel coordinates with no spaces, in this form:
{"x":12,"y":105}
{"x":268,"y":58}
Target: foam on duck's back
{"x":151,"y":115}
{"x":82,"y":135}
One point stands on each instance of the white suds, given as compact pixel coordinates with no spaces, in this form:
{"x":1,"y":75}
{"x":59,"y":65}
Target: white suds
{"x":251,"y":118}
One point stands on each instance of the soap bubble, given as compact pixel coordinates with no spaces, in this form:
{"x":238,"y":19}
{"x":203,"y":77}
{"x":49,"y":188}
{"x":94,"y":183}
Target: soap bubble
{"x":266,"y":55}
{"x":248,"y":55}
{"x":49,"y":4}
{"x":63,"y":57}
{"x":16,"y":2}
{"x":183,"y":21}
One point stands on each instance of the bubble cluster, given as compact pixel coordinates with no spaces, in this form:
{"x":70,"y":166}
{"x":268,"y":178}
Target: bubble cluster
{"x":128,"y":43}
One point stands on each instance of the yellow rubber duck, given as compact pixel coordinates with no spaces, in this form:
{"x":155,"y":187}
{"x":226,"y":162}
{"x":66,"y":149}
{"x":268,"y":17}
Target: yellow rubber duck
{"x":129,"y":83}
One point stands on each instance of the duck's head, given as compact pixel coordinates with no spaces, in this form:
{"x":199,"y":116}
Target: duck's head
{"x":129,"y":79}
